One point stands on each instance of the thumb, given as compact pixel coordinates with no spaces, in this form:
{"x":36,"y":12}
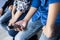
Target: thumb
{"x":9,"y":24}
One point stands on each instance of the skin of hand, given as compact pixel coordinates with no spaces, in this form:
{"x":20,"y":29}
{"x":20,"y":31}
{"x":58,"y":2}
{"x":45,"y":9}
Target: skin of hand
{"x":49,"y":29}
{"x":11,"y":22}
{"x":22,"y":24}
{"x":14,"y":16}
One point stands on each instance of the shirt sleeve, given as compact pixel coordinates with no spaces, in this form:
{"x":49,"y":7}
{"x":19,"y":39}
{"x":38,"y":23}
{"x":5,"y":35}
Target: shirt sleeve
{"x":54,"y":1}
{"x":35,"y":3}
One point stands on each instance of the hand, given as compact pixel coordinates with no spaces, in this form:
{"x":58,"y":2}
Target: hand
{"x":22,"y":24}
{"x":10,"y":7}
{"x":48,"y":31}
{"x":11,"y":22}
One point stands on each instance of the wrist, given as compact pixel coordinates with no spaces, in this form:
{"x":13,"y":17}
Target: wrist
{"x":50,"y":25}
{"x":13,"y":13}
{"x":12,"y":16}
{"x":25,"y":20}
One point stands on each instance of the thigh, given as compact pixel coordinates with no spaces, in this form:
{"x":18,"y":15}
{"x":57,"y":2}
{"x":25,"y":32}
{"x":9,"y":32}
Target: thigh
{"x":43,"y":37}
{"x":29,"y":32}
{"x":6,"y":17}
{"x":12,"y":33}
{"x":56,"y":34}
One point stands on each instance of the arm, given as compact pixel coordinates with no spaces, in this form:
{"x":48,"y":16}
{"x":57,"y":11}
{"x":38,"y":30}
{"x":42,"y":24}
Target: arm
{"x":28,"y":16}
{"x":14,"y":8}
{"x":23,"y":22}
{"x":16,"y":16}
{"x":52,"y":14}
{"x":12,"y":20}
{"x":13,"y":11}
{"x":34,"y":6}
{"x":30,"y":13}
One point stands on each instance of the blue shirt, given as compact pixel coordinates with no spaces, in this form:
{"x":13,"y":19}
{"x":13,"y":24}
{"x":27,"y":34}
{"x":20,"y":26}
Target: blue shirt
{"x":42,"y":6}
{"x":36,"y":4}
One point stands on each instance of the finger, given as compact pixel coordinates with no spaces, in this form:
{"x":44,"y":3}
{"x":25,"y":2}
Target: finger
{"x":13,"y":24}
{"x":21,"y":28}
{"x":15,"y":29}
{"x":9,"y":24}
{"x":18,"y":29}
{"x":17,"y":23}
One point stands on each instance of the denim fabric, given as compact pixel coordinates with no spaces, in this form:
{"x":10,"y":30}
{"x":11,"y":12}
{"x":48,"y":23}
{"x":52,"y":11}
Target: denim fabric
{"x":56,"y":37}
{"x":4,"y":20}
{"x":31,"y":30}
{"x":6,"y":17}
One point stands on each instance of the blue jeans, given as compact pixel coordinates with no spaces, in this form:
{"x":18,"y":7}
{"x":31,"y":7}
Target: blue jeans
{"x":13,"y":32}
{"x":6,"y":17}
{"x":31,"y":30}
{"x":4,"y":20}
{"x":56,"y":37}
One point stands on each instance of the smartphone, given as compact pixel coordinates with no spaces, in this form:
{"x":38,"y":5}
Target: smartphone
{"x":11,"y":27}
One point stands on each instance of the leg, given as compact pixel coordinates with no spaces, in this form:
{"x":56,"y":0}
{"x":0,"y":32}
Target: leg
{"x":43,"y":37}
{"x":12,"y":32}
{"x":29,"y":32}
{"x":57,"y":34}
{"x":4,"y":18}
